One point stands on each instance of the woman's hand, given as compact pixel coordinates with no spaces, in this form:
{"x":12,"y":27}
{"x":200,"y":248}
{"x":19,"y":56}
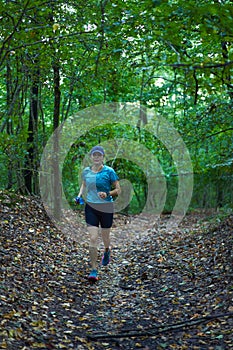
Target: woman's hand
{"x":102,"y":195}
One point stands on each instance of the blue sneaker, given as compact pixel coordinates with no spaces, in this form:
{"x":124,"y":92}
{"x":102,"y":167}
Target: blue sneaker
{"x":106,"y":258}
{"x":93,"y":276}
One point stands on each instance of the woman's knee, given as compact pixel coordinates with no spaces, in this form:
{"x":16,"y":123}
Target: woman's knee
{"x":105,"y":231}
{"x":93,"y":232}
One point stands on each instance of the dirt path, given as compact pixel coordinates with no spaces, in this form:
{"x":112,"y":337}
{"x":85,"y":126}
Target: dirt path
{"x":163,"y":289}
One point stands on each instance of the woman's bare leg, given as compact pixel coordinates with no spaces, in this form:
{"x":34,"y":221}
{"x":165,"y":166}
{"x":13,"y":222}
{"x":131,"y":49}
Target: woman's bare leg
{"x":106,"y":237}
{"x":93,"y":247}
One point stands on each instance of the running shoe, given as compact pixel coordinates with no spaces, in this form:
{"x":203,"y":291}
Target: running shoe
{"x":93,"y":276}
{"x":106,"y":258}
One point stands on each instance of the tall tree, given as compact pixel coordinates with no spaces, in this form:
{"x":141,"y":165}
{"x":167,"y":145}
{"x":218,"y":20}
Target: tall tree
{"x":56,"y":118}
{"x":31,"y":161}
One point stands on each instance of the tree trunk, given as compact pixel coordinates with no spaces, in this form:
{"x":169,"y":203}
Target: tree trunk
{"x":30,"y":163}
{"x":9,"y":122}
{"x":56,"y":172}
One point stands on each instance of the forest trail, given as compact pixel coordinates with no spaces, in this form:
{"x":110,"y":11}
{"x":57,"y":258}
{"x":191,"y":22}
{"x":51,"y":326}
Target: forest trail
{"x":162,"y":290}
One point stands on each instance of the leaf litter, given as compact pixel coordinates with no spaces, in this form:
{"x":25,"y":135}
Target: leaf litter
{"x":164,"y":289}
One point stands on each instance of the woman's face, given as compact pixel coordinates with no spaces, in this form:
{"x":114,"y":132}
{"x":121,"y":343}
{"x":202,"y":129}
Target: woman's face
{"x":97,"y":158}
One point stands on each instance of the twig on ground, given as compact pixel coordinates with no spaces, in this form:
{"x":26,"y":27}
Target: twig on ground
{"x":148,"y":332}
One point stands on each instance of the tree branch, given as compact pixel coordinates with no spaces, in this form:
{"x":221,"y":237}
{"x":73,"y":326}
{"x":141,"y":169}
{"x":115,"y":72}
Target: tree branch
{"x":14,"y":29}
{"x":148,"y":332}
{"x":201,"y":66}
{"x":201,"y":138}
{"x":42,"y":41}
{"x":218,"y":132}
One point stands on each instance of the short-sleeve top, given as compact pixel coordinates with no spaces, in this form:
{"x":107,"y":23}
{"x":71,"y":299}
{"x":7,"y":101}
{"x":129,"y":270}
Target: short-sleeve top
{"x":99,"y":182}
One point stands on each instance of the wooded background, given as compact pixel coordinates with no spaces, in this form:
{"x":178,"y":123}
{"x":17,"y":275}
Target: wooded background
{"x":60,"y":57}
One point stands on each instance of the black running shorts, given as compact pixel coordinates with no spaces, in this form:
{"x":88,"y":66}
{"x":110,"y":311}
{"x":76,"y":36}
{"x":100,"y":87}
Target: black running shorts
{"x":99,"y":214}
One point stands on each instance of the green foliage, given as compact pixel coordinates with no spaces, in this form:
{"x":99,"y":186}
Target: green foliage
{"x":174,"y":56}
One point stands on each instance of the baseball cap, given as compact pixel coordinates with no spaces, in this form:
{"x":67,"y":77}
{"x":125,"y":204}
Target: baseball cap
{"x":98,"y":149}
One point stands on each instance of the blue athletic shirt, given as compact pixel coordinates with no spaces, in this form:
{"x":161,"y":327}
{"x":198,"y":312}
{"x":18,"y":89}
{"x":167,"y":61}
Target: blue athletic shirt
{"x":99,"y":182}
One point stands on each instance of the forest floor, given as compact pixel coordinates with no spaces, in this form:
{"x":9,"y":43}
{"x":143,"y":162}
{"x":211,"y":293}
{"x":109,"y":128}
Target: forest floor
{"x":164,"y":289}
